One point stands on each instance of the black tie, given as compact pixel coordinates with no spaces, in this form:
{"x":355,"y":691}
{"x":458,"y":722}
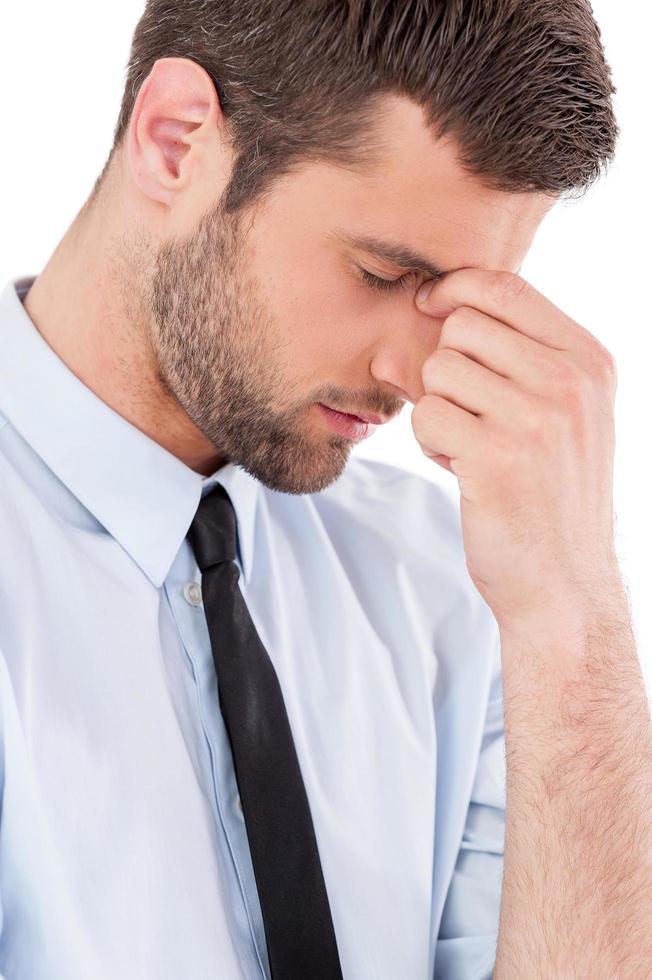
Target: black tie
{"x":299,"y":929}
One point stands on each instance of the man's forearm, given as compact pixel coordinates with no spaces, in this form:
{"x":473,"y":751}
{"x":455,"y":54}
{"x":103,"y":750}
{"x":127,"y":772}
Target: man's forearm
{"x":577,"y":882}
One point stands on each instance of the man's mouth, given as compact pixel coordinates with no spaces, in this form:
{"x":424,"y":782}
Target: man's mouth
{"x":367,"y":417}
{"x":347,"y":424}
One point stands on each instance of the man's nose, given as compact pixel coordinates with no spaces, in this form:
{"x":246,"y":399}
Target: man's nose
{"x":402,"y":350}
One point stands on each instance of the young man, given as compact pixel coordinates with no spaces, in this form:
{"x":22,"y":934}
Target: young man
{"x":266,"y":714}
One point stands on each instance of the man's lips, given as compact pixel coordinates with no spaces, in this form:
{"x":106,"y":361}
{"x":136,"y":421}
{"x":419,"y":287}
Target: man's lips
{"x":346,"y":423}
{"x":367,"y":417}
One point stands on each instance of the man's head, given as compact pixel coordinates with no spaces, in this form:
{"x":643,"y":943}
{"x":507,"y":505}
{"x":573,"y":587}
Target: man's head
{"x":268,"y":148}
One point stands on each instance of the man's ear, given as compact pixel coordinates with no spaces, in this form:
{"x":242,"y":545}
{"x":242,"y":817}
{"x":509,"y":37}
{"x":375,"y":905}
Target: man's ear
{"x":175,"y":129}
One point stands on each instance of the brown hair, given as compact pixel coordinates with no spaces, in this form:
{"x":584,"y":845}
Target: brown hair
{"x":522,"y":85}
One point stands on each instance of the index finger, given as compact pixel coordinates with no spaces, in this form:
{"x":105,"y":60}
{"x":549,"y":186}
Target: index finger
{"x":505,"y":296}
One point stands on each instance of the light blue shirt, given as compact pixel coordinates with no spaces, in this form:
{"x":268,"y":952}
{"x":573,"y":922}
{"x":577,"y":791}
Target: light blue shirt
{"x":123,"y":850}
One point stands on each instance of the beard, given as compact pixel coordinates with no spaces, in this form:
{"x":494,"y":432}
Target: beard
{"x":221,"y":356}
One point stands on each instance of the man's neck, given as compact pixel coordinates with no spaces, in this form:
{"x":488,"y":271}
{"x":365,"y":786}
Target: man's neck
{"x":87,"y":306}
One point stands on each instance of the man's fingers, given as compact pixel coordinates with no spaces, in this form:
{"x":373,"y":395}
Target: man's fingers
{"x":503,"y":350}
{"x":507,"y":297}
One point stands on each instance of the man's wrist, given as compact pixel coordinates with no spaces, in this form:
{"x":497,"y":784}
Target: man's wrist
{"x":568,"y":622}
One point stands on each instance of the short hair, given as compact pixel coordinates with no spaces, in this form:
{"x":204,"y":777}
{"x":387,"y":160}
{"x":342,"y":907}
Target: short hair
{"x":521,"y":85}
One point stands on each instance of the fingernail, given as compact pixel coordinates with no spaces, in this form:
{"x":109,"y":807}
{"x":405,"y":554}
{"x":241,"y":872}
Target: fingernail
{"x":425,"y":290}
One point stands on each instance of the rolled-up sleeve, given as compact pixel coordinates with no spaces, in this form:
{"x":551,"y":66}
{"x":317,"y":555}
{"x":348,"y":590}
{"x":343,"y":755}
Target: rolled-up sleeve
{"x":468,"y":933}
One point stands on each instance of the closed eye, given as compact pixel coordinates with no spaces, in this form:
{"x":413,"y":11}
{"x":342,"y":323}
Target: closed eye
{"x":385,"y":285}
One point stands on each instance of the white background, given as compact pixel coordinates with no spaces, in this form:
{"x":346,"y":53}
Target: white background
{"x":61,"y":77}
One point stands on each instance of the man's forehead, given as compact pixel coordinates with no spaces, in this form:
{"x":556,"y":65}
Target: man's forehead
{"x":417,"y":207}
{"x":432,"y":237}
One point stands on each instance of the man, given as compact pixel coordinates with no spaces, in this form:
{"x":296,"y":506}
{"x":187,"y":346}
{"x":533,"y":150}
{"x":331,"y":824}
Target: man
{"x":313,"y":213}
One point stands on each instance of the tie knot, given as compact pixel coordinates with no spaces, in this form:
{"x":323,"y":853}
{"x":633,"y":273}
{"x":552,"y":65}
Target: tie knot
{"x":212,"y":533}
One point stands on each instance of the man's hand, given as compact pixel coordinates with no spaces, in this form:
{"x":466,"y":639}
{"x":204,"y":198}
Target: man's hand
{"x":519,"y":407}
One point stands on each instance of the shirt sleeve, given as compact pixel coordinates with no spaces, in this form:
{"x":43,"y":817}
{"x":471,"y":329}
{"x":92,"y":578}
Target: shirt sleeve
{"x":468,"y":933}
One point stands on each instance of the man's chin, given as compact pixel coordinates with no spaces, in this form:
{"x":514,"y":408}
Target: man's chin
{"x":302,"y":473}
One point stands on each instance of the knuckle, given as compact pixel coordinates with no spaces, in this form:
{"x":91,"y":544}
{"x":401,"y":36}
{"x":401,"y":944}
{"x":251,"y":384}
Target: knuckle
{"x":505,"y":285}
{"x":534,"y":419}
{"x":427,"y":373}
{"x":599,"y":364}
{"x":546,"y":426}
{"x":606,"y":366}
{"x":460,"y":316}
{"x":573,"y":383}
{"x":448,"y":355}
{"x":440,"y":361}
{"x":423,"y":411}
{"x":455,"y":325}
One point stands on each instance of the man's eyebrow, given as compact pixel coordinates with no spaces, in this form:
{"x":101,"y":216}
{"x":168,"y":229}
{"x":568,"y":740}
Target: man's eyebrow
{"x":394,"y":252}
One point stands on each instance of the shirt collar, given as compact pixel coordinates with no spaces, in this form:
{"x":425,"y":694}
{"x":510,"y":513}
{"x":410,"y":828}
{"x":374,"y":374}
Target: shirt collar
{"x":142,"y":494}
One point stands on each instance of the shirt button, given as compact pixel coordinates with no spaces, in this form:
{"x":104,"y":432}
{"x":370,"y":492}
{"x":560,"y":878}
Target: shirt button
{"x":239,"y":804}
{"x":192,"y":593}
